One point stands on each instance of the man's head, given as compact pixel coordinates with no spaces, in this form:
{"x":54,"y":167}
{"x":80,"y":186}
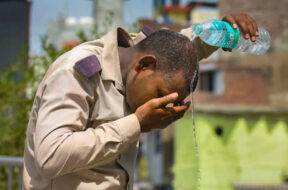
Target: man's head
{"x":164,"y":62}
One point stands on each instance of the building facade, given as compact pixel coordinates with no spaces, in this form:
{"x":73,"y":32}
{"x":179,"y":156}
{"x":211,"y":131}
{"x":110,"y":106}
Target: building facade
{"x":241,"y":113}
{"x":14,"y":31}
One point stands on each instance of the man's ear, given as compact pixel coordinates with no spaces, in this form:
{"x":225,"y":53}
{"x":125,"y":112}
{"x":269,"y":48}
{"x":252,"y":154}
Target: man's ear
{"x":146,"y":62}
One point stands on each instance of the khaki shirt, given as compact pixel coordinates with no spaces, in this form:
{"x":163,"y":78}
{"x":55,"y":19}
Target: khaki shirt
{"x":81,"y":134}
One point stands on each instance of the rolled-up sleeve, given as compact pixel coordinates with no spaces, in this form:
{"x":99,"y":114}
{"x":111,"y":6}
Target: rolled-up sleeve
{"x":62,"y":145}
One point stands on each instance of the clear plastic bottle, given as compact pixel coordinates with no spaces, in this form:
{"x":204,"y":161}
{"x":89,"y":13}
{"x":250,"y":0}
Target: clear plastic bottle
{"x":221,"y":34}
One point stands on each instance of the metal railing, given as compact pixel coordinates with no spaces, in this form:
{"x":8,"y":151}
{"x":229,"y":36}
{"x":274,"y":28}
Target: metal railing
{"x":10,"y":163}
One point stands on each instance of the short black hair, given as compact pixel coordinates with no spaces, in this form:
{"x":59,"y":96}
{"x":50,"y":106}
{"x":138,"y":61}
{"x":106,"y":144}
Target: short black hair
{"x":174,"y":52}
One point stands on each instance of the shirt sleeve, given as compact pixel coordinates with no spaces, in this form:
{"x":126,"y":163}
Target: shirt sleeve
{"x":62,"y":145}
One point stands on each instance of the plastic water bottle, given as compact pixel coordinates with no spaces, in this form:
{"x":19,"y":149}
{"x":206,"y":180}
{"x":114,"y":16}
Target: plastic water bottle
{"x":221,"y":34}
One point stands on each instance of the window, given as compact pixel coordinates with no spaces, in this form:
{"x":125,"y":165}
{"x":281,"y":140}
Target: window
{"x":211,"y":79}
{"x":219,"y":130}
{"x":175,"y":2}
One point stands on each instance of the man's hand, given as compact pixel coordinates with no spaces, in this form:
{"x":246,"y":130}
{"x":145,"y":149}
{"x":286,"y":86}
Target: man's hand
{"x":155,"y":114}
{"x":246,"y":24}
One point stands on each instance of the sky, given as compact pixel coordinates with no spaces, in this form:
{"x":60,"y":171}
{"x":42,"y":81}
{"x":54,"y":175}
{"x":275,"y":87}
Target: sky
{"x":43,"y":11}
{"x":134,"y":9}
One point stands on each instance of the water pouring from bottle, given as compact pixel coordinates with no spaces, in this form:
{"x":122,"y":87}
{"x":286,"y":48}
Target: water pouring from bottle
{"x":196,"y":148}
{"x":221,"y":34}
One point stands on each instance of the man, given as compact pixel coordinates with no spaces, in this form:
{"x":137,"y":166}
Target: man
{"x":96,"y":99}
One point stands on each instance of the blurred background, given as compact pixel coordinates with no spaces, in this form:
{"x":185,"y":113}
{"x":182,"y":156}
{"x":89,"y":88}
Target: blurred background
{"x":241,"y":102}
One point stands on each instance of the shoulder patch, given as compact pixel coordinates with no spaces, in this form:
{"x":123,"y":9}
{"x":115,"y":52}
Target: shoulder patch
{"x":147,"y":30}
{"x":89,"y":66}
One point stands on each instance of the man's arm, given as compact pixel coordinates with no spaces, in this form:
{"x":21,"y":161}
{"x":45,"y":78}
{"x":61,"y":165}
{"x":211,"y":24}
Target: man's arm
{"x":245,"y":22}
{"x":62,"y":145}
{"x":203,"y":50}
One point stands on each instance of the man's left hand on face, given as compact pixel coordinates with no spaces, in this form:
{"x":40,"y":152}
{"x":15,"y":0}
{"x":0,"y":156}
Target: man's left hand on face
{"x":156,"y":114}
{"x":245,"y":23}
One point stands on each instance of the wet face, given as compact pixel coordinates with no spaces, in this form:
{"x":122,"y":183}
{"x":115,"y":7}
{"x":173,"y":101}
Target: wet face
{"x":148,"y":84}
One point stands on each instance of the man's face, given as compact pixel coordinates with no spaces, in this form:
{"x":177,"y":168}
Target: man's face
{"x":146,"y":85}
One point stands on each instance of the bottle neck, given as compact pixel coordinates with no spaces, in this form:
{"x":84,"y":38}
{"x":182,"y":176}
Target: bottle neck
{"x":197,"y":28}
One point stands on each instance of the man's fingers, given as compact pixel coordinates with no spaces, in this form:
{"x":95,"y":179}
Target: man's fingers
{"x":171,"y":119}
{"x":181,"y":108}
{"x":173,"y":111}
{"x":244,"y":29}
{"x":178,"y":117}
{"x":167,"y":110}
{"x":175,"y":117}
{"x":255,"y":27}
{"x":231,"y":20}
{"x":252,"y":33}
{"x":246,"y":24}
{"x":163,"y":101}
{"x":188,"y":104}
{"x":251,"y":27}
{"x":242,"y":24}
{"x":227,"y":49}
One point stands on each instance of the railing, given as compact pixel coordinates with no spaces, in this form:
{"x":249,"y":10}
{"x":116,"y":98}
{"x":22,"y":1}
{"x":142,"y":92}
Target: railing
{"x":10,"y":163}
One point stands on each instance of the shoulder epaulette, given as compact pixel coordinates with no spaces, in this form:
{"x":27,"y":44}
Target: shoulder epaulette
{"x":88,"y":66}
{"x":147,"y":31}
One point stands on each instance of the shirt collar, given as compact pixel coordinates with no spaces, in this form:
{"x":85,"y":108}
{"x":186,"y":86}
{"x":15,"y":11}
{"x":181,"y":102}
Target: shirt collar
{"x":110,"y":57}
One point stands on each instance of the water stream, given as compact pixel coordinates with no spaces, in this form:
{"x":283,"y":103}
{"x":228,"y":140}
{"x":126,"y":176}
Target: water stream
{"x":197,"y":164}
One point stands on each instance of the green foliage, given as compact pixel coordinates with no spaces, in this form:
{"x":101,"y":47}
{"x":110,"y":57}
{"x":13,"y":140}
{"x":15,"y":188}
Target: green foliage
{"x":18,"y":85}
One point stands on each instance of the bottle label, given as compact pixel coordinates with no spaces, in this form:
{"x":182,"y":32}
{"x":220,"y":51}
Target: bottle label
{"x":231,"y":35}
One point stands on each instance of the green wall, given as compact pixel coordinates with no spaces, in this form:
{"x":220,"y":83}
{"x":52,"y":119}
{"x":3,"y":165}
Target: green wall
{"x":250,"y":150}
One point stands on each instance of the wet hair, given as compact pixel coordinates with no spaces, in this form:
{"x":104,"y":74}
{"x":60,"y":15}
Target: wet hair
{"x":174,"y":52}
